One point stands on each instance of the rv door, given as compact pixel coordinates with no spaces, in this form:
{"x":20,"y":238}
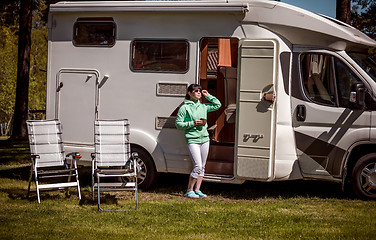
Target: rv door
{"x":76,"y":104}
{"x":254,"y":148}
{"x":325,"y":122}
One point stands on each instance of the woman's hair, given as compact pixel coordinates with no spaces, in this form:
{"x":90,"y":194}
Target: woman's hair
{"x":190,"y":88}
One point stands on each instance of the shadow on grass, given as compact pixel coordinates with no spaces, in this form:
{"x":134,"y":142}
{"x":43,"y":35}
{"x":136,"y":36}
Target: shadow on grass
{"x":23,"y":174}
{"x":22,"y":194}
{"x":176,"y":184}
{"x":250,"y":190}
{"x":12,"y":152}
{"x":106,"y":199}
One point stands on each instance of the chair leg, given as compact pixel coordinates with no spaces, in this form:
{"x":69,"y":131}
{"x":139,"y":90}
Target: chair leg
{"x":78,"y":181}
{"x":93,"y":174}
{"x":68,"y":189}
{"x":98,"y":190}
{"x":30,"y":178}
{"x":136,"y":193}
{"x":78,"y":189}
{"x":36,"y":183}
{"x":92,"y":185}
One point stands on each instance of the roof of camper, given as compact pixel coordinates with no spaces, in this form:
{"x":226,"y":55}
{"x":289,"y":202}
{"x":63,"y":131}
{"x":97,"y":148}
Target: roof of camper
{"x":151,"y":6}
{"x":299,"y":26}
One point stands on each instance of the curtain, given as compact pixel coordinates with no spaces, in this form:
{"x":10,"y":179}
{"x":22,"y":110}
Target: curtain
{"x":224,"y":52}
{"x":204,"y":58}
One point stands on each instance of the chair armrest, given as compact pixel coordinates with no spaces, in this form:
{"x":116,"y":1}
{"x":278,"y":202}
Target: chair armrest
{"x":134,"y":155}
{"x":34,"y":158}
{"x":74,"y":155}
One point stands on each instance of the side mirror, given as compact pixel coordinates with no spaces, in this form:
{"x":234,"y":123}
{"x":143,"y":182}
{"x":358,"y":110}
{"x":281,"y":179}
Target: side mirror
{"x":357,"y":96}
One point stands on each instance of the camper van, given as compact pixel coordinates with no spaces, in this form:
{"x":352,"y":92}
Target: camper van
{"x":134,"y":60}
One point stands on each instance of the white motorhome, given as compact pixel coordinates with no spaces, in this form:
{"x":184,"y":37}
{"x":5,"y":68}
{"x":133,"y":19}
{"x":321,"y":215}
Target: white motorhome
{"x":126,"y":59}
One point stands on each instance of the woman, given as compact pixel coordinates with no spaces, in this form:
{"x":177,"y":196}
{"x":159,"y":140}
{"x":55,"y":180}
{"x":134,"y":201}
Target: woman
{"x":192,"y":117}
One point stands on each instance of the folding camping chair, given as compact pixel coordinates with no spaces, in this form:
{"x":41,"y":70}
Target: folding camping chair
{"x":49,"y":161}
{"x":113,"y":159}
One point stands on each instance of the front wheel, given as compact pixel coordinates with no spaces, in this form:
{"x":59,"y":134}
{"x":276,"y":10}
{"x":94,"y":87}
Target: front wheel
{"x":363,"y":177}
{"x":147,"y":173}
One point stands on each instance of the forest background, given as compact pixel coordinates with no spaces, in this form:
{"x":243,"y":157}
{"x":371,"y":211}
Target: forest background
{"x":362,"y":16}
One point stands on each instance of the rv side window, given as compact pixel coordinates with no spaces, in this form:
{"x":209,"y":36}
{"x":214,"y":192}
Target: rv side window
{"x":345,"y":79}
{"x":326,"y":79}
{"x":160,"y":56}
{"x":365,"y":62}
{"x":318,"y":78}
{"x":94,"y":32}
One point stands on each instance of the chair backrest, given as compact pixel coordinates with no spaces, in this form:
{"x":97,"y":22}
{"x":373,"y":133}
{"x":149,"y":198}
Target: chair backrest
{"x":112,"y":146}
{"x":230,"y":81}
{"x":46,"y":142}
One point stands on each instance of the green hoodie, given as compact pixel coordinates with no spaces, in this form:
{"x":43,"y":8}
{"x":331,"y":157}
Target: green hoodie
{"x":194,"y":110}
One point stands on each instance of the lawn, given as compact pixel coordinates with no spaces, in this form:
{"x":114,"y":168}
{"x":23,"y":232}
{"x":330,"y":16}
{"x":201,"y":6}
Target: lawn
{"x":254,"y":210}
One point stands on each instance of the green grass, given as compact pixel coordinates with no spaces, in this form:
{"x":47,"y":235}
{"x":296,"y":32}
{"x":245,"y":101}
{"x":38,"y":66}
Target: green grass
{"x":254,"y":210}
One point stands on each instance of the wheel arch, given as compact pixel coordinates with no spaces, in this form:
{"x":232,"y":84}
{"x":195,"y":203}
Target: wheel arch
{"x":146,"y":142}
{"x":133,"y":145}
{"x":355,"y":153}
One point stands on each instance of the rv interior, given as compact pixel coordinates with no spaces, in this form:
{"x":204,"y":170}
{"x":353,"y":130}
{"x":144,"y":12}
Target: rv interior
{"x":218,"y":74}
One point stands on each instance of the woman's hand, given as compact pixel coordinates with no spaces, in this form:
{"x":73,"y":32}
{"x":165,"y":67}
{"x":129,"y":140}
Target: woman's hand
{"x":204,"y":92}
{"x":197,"y":122}
{"x":269,"y":96}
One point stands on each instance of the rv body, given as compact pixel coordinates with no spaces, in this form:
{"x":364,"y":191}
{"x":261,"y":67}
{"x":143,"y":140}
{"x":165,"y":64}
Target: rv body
{"x":134,"y":60}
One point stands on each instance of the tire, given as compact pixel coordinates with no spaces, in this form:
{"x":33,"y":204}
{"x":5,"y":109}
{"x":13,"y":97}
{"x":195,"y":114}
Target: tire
{"x":363,"y":177}
{"x":147,"y":173}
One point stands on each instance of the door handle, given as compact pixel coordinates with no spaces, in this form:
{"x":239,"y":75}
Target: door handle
{"x":60,"y":87}
{"x":301,"y":113}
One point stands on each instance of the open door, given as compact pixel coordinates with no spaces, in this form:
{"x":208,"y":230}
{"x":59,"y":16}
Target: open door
{"x":76,"y":105}
{"x":254,"y":140}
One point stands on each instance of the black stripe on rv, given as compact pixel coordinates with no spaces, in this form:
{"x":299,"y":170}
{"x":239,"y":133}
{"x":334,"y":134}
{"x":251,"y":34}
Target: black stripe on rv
{"x":326,"y":154}
{"x":285,"y":66}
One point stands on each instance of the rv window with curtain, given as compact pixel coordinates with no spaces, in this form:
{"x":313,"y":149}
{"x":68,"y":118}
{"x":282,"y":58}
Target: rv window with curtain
{"x":94,"y":32}
{"x":326,"y":79}
{"x":160,"y":56}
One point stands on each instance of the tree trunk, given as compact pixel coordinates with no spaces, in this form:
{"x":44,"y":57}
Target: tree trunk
{"x":23,"y":66}
{"x":343,"y":11}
